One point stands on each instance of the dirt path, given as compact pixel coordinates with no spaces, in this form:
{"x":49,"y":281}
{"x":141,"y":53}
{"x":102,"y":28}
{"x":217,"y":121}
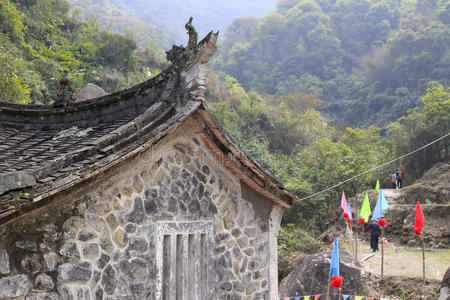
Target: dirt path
{"x":405,"y":263}
{"x":392,"y":196}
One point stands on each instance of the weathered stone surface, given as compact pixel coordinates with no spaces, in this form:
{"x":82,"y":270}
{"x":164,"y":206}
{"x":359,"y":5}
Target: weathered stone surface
{"x":90,"y":251}
{"x":14,"y":286}
{"x":89,"y":91}
{"x":104,"y":259}
{"x":27,"y":245}
{"x":4,"y":262}
{"x":69,"y":250}
{"x":31,"y":263}
{"x":43,"y":282}
{"x":75,"y":271}
{"x":83,"y":293}
{"x":106,"y":244}
{"x":445,"y":286}
{"x":120,"y":238}
{"x":138,"y":290}
{"x":135,"y":269}
{"x":99,"y":293}
{"x":138,"y":245}
{"x":312,"y":275}
{"x":51,"y":260}
{"x":15,"y":180}
{"x":86,"y":236}
{"x":65,"y":292}
{"x":172,"y":205}
{"x":112,"y":221}
{"x":43,"y":296}
{"x":137,"y":215}
{"x":109,"y":280}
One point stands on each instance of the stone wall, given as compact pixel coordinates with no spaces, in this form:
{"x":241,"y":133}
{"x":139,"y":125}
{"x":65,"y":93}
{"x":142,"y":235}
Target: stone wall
{"x":100,"y":241}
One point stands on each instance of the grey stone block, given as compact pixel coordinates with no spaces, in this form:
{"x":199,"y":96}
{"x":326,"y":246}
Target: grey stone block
{"x":15,"y":180}
{"x":14,"y":286}
{"x":43,"y":282}
{"x":75,"y":271}
{"x":4,"y":262}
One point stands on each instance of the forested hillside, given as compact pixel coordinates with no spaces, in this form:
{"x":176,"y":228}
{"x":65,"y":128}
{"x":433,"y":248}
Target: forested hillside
{"x":369,"y":61}
{"x":119,"y":17}
{"x":171,"y":15}
{"x":39,"y":40}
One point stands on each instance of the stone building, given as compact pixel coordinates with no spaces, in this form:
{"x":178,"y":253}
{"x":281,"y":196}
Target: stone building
{"x":138,"y":194}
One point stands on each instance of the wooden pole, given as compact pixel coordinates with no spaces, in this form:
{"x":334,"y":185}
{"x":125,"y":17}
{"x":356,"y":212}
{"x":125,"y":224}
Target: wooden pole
{"x":423,"y":258}
{"x":382,"y":254}
{"x":329,"y":286}
{"x":356,"y":242}
{"x":351,"y":243}
{"x":356,"y":230}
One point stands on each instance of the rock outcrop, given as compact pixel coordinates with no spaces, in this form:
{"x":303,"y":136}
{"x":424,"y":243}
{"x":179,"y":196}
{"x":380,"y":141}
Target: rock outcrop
{"x":90,"y":91}
{"x":445,"y":286}
{"x":311,"y":277}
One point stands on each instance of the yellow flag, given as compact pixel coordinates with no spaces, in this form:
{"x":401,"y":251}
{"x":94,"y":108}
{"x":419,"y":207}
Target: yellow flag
{"x":358,"y":297}
{"x":306,"y":298}
{"x":365,"y":209}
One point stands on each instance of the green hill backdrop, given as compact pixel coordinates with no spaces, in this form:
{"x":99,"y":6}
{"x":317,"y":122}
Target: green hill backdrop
{"x":368,"y":60}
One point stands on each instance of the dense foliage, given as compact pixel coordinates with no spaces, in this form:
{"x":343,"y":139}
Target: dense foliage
{"x":289,"y":136}
{"x":369,"y":61}
{"x":119,"y":17}
{"x":39,"y":40}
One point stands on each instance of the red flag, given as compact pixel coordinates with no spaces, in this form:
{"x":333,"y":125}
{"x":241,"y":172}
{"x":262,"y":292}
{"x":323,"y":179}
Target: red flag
{"x":418,"y":223}
{"x":316,"y":297}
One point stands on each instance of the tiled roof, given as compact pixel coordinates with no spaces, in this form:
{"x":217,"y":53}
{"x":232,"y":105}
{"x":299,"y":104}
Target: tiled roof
{"x":61,"y":147}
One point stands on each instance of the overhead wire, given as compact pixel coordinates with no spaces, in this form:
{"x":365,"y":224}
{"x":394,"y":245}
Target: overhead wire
{"x":377,"y":167}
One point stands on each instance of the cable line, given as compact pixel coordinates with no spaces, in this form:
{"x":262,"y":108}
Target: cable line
{"x":377,"y":167}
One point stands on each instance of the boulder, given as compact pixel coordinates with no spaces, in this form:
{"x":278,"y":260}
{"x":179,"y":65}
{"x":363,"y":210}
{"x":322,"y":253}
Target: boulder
{"x":311,"y":277}
{"x":445,"y":286}
{"x":90,"y":91}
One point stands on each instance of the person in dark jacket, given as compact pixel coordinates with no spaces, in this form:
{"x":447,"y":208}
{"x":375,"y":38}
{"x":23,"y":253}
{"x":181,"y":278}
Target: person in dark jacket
{"x":375,"y":232}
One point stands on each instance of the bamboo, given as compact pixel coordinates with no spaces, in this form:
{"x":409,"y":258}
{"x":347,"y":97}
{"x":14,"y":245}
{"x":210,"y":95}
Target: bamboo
{"x":423,"y":257}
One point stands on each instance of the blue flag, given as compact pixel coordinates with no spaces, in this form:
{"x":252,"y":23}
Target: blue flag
{"x":349,"y":211}
{"x":334,"y":265}
{"x":297,"y":298}
{"x":380,"y":206}
{"x":345,"y":296}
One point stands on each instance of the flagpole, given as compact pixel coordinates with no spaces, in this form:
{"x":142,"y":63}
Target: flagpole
{"x":329,"y":286}
{"x":382,"y":253}
{"x":356,"y":230}
{"x":423,"y":257}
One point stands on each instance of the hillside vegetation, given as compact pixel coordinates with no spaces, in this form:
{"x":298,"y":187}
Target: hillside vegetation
{"x":289,"y":136}
{"x":39,"y":40}
{"x":368,"y":60}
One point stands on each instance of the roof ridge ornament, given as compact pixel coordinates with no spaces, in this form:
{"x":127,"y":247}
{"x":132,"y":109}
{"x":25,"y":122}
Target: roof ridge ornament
{"x":191,"y":61}
{"x":193,"y":37}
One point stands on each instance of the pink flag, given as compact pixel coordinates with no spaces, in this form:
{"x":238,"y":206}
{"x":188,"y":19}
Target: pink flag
{"x":344,"y":203}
